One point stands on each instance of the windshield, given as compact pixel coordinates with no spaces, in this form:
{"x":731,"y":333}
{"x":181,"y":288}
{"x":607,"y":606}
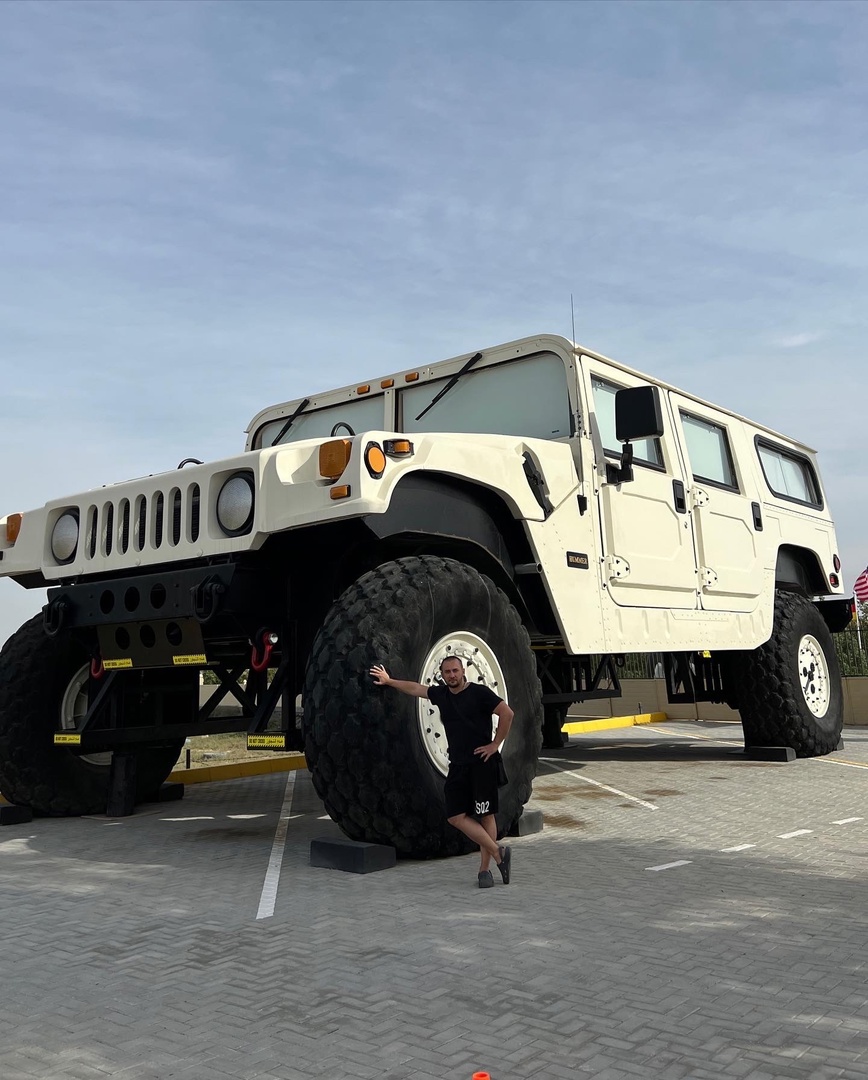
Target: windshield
{"x":527,"y":397}
{"x":362,"y":414}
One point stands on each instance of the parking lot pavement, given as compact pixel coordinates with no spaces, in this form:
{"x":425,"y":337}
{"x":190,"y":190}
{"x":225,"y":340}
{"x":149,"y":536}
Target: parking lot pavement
{"x":685,"y":913}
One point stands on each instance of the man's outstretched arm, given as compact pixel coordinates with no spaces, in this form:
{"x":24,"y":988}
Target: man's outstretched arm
{"x":382,"y":678}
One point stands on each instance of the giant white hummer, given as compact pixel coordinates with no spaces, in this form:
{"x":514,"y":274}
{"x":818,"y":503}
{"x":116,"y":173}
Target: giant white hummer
{"x":534,"y":508}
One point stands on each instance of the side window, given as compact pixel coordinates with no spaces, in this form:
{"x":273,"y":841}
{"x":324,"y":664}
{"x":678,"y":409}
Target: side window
{"x":789,"y":475}
{"x":645,"y":451}
{"x":708,"y":450}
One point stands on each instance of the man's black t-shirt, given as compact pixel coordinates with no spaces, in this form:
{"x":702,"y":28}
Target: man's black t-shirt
{"x":466,"y":717}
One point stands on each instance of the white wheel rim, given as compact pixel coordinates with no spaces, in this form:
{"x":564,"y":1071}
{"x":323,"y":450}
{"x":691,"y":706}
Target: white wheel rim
{"x":814,"y":676}
{"x":481,"y":666}
{"x":73,"y":709}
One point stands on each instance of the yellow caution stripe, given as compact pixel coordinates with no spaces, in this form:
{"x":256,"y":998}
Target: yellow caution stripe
{"x":239,"y":769}
{"x":576,"y":727}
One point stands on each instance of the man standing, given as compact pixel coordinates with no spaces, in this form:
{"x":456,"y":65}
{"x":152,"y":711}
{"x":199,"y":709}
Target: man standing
{"x":471,"y":785}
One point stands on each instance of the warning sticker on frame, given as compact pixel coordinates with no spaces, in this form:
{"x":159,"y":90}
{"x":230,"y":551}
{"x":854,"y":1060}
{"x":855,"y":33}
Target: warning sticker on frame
{"x":114,"y":665}
{"x":266,"y":742}
{"x":61,"y":740}
{"x":192,"y":658}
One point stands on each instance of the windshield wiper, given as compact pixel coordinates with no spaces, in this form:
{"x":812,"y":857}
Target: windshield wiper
{"x":450,"y":384}
{"x":291,"y":421}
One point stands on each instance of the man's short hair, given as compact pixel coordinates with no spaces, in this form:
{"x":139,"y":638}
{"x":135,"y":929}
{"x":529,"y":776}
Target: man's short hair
{"x":445,"y":658}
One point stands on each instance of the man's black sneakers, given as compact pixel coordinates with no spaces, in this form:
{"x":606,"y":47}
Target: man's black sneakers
{"x":504,"y":864}
{"x":486,"y":881}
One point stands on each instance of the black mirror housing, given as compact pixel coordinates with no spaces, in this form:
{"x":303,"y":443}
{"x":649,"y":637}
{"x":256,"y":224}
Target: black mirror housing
{"x":638,"y":414}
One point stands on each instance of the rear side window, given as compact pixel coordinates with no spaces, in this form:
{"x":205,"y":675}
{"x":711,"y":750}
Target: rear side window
{"x":645,"y":451}
{"x":708,"y":451}
{"x":789,"y":475}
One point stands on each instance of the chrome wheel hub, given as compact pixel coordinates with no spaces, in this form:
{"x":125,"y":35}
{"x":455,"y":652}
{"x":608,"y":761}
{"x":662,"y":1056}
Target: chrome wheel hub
{"x":814,"y":675}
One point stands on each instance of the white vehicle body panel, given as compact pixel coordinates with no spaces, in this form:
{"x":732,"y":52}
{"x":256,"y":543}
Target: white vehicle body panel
{"x":625,"y":569}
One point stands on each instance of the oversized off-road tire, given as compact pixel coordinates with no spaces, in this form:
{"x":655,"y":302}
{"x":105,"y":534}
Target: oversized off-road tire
{"x":378,"y":757}
{"x":43,"y":689}
{"x":789,"y":690}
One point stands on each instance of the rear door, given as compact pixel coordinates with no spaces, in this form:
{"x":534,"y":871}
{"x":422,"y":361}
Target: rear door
{"x":727,"y":516}
{"x":647,"y":534}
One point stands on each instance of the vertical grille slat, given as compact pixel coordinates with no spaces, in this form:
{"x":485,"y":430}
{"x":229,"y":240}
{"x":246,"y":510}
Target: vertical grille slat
{"x":195,"y":501}
{"x":124,"y":533}
{"x":141,"y":520}
{"x":108,"y":528}
{"x":177,"y":507}
{"x":158,"y":519}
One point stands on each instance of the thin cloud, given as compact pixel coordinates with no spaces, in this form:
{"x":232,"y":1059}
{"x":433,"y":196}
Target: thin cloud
{"x":796,"y":341}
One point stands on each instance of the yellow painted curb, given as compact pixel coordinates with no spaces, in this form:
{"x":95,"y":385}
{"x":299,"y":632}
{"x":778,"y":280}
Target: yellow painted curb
{"x":236,"y":770}
{"x":576,"y":727}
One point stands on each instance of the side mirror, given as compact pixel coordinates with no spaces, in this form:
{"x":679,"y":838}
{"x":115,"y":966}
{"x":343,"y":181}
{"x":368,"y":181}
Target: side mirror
{"x":638,"y":415}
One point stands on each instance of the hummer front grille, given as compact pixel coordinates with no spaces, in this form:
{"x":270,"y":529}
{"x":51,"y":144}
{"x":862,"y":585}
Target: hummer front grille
{"x":143,"y":523}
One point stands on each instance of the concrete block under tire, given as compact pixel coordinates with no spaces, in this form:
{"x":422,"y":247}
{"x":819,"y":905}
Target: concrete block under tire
{"x":352,"y":856}
{"x":770,"y":753}
{"x":15,"y":815}
{"x":531,"y":821}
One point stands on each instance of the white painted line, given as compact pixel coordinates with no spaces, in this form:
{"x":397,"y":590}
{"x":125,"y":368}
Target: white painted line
{"x":847,"y":820}
{"x":596,"y":783}
{"x":268,"y":897}
{"x":846,"y":764}
{"x":790,"y":835}
{"x":738,"y":847}
{"x":670,"y":865}
{"x":694,"y":735}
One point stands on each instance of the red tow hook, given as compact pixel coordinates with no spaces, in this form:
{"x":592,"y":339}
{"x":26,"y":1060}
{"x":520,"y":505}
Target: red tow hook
{"x":97,"y":669}
{"x":269,"y":640}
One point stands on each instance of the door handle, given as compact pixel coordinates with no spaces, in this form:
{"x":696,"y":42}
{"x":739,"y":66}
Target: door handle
{"x":757,"y":516}
{"x":679,"y":497}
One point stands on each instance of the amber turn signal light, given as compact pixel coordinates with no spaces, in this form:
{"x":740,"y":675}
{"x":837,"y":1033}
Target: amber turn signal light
{"x":334,"y":457}
{"x":13,"y":527}
{"x":375,"y":460}
{"x":340,"y":491}
{"x":398,"y":447}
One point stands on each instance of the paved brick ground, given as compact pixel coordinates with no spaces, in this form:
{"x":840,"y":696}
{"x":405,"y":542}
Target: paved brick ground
{"x":131,"y":948}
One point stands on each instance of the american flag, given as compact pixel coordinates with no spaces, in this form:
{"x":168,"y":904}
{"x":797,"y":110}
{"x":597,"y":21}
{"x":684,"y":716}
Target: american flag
{"x":860,"y":587}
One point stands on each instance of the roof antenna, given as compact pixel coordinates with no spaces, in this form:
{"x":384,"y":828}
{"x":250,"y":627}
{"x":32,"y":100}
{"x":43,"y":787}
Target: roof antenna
{"x":573,"y":317}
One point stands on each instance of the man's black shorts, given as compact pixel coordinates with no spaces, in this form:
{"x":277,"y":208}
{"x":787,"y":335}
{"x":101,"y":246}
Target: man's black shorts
{"x":472,"y":788}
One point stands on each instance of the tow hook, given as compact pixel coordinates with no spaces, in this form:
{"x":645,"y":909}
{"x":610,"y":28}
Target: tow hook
{"x":268,"y":639}
{"x":53,"y":616}
{"x":97,"y":668}
{"x":206,"y":599}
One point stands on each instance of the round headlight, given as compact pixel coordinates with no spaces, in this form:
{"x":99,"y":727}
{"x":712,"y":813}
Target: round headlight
{"x":235,"y":504}
{"x":64,"y":537}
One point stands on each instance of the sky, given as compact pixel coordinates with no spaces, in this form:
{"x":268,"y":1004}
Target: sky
{"x":207,"y":207}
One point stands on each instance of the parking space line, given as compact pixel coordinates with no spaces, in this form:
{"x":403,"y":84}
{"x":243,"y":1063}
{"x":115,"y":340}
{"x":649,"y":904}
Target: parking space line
{"x":596,"y":783}
{"x":797,"y":832}
{"x":670,"y":865}
{"x":268,"y":897}
{"x":839,"y":761}
{"x":738,"y":847}
{"x":846,"y":820}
